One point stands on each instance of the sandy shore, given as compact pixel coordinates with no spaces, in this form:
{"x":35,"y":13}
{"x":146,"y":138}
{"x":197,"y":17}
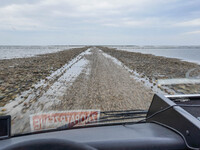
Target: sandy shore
{"x":157,"y":67}
{"x":18,"y":75}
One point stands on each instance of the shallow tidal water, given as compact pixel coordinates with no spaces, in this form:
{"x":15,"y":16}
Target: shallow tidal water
{"x":187,"y":53}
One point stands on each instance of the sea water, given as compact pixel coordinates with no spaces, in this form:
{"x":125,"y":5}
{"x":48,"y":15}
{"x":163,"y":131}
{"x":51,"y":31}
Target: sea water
{"x":186,"y":53}
{"x":9,"y":52}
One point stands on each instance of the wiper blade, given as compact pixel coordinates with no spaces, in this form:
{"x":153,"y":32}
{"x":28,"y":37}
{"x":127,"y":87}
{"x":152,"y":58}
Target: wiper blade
{"x":108,"y":116}
{"x":119,"y":111}
{"x":122,"y":118}
{"x":125,"y":113}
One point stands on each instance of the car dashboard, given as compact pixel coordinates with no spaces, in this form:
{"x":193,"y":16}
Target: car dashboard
{"x":172,"y":122}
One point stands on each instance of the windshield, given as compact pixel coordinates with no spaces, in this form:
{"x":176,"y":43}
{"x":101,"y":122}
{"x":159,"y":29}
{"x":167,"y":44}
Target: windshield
{"x":65,"y":64}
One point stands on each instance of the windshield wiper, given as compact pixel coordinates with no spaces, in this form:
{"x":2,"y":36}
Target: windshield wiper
{"x":124,"y":113}
{"x":108,"y":116}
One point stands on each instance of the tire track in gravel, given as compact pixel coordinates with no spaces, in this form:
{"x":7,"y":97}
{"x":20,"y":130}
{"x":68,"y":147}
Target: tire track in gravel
{"x":108,"y":86}
{"x":45,"y":94}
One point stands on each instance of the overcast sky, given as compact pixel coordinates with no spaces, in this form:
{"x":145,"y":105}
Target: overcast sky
{"x":135,"y":22}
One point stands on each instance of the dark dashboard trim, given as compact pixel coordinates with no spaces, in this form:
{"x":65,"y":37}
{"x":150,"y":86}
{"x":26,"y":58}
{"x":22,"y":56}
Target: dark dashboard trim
{"x":125,"y":136}
{"x":78,"y":127}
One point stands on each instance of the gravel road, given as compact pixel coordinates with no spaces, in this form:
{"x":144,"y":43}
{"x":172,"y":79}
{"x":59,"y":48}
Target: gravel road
{"x":105,"y":85}
{"x":88,"y":78}
{"x":89,"y":81}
